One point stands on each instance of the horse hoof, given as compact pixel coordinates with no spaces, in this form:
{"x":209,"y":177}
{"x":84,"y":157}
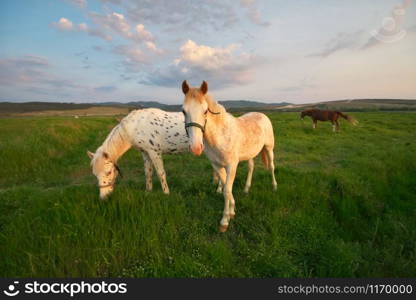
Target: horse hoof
{"x":223,"y":228}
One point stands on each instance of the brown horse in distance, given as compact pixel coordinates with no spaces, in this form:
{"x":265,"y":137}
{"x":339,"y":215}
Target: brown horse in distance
{"x":327,"y":115}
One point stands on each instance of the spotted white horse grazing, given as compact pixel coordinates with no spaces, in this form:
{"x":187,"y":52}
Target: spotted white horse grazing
{"x":226,"y":140}
{"x":153,"y":132}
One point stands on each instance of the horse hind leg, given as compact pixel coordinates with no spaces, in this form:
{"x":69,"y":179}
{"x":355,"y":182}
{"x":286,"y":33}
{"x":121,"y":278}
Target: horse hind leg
{"x":314,"y":124}
{"x":249,"y":175}
{"x":148,"y":171}
{"x":160,"y":170}
{"x":270,"y":158}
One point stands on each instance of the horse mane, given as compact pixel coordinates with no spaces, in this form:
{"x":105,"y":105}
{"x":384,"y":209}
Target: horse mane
{"x":115,"y":143}
{"x":214,"y":106}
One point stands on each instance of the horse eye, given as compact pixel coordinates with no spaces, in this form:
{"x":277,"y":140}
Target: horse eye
{"x":184,"y":113}
{"x":206,"y":112}
{"x":108,"y":173}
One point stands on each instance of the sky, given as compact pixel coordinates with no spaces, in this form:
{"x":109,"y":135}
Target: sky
{"x":297,"y":51}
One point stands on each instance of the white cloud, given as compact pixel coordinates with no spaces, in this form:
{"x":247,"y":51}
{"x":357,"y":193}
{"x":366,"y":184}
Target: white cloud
{"x":196,"y":15}
{"x":63,"y":24}
{"x":342,"y":41}
{"x":32,"y":77}
{"x":67,"y":25}
{"x":221,"y":66}
{"x":366,"y":71}
{"x":142,"y":42}
{"x":152,"y":46}
{"x":392,"y":29}
{"x":247,"y":2}
{"x":253,"y":12}
{"x":111,"y":1}
{"x":21,"y":70}
{"x":79,"y":3}
{"x":94,"y":32}
{"x":114,"y":22}
{"x":83,"y":27}
{"x":143,"y":33}
{"x":132,"y":54}
{"x":28,"y":70}
{"x":209,"y":58}
{"x":117,"y":23}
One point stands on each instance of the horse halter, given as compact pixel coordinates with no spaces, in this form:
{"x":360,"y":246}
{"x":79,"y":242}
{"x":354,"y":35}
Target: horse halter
{"x":112,"y":183}
{"x":193,"y":124}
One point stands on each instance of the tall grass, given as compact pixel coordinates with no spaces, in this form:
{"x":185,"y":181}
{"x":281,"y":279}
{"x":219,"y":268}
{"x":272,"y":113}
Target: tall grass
{"x":345,"y":205}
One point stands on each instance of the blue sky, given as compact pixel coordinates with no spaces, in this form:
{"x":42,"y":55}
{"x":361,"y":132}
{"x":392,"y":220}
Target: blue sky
{"x":124,"y":50}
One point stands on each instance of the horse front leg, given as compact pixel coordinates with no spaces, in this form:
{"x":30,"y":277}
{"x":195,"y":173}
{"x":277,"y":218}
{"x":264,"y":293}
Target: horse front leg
{"x":249,"y":175}
{"x":315,"y":122}
{"x":160,"y":170}
{"x":270,"y":157}
{"x":229,"y":203}
{"x":216,"y":180}
{"x":148,"y":171}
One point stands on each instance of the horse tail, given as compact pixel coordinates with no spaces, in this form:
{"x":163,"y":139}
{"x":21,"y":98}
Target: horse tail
{"x":264,"y":158}
{"x":350,"y":119}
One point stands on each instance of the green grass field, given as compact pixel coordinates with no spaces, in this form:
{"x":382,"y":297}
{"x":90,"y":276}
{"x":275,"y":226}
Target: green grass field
{"x":345,"y":205}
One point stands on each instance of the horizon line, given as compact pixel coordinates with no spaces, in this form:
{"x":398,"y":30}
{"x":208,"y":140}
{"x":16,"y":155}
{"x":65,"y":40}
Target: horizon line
{"x":257,"y":101}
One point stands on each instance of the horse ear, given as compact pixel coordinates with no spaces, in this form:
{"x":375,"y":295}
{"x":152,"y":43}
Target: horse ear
{"x":105,"y":155}
{"x":90,"y":154}
{"x":204,"y":87}
{"x":185,"y":87}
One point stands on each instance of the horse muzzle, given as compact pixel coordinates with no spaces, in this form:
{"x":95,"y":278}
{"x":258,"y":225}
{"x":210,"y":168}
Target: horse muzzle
{"x":196,"y":150}
{"x":105,"y":191}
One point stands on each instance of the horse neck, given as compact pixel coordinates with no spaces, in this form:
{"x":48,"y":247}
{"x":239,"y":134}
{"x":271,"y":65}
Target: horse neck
{"x":116,"y":143}
{"x":214,"y":128}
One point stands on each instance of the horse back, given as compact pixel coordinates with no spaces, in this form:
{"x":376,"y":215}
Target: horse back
{"x":256,"y":130}
{"x":254,"y":123}
{"x":324,"y":115}
{"x":153,"y":129}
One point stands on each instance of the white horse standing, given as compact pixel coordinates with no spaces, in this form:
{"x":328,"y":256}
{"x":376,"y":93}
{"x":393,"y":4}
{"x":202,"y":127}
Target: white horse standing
{"x":227,"y":140}
{"x":153,"y":132}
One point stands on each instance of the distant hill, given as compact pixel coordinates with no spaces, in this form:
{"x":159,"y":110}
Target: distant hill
{"x":228,"y":104}
{"x":355,"y":105}
{"x":155,"y":104}
{"x":250,"y":104}
{"x":60,"y":109}
{"x":12,"y":108}
{"x":114,"y":108}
